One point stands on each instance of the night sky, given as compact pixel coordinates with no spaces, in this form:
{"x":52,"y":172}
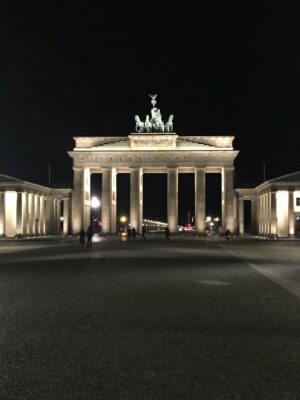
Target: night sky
{"x":84,"y":70}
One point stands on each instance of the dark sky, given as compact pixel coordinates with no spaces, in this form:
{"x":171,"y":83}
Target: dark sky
{"x":70,"y":69}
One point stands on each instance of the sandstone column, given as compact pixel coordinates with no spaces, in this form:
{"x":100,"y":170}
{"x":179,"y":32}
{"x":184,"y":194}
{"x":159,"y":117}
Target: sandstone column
{"x":57,"y":216}
{"x":2,"y":214}
{"x":227,"y":199}
{"x":66,"y":216}
{"x":291,"y":215}
{"x":19,"y":214}
{"x":10,"y":213}
{"x":42,"y":215}
{"x":109,"y":200}
{"x":136,"y":198}
{"x":25,"y":213}
{"x":36,"y":214}
{"x":49,"y":215}
{"x":264,"y":214}
{"x":200,"y":199}
{"x":172,"y":199}
{"x":273,"y":214}
{"x":30,"y":213}
{"x":241,"y":217}
{"x":77,"y":200}
{"x":254,"y":229}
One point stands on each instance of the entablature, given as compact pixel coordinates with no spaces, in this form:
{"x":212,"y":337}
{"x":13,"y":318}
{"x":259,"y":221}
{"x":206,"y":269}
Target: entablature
{"x":154,"y":159}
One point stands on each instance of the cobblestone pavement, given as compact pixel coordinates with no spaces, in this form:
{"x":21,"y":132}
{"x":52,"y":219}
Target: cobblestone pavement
{"x":142,"y":320}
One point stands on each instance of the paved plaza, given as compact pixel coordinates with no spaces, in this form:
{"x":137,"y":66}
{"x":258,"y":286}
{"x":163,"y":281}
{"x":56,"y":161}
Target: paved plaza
{"x":188,"y":318}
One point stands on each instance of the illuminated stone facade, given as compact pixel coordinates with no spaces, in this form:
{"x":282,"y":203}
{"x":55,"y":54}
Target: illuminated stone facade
{"x":142,"y":153}
{"x":27,"y":209}
{"x":275,"y":206}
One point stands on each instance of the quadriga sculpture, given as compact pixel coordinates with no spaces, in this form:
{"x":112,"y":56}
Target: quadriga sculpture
{"x":139,"y":125}
{"x":169,"y":124}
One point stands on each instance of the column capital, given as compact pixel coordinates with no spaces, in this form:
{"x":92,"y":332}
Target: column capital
{"x":136,"y":169}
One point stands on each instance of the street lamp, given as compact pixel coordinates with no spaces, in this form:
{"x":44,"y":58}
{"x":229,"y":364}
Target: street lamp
{"x":123,"y":230}
{"x":123,"y":219}
{"x":95,"y":203}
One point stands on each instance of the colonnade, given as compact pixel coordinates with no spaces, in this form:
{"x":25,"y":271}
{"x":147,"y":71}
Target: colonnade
{"x":273,"y":212}
{"x":31,"y":213}
{"x":81,"y":197}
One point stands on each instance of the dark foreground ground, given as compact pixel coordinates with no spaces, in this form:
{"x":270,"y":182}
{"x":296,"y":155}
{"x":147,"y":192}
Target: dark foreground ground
{"x":184,"y":319}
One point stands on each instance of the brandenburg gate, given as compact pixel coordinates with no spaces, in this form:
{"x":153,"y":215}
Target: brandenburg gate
{"x":152,"y":148}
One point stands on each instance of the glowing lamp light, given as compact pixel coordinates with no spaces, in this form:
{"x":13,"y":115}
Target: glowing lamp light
{"x":208,"y":219}
{"x":95,"y":202}
{"x":123,"y":219}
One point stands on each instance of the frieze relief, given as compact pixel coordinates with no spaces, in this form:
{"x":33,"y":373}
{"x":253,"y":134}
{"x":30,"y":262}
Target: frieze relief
{"x":147,"y":159}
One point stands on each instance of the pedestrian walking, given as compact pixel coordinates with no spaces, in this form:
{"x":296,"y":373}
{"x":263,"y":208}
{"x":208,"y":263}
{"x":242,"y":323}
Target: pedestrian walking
{"x":129,"y":233}
{"x":82,"y":237}
{"x":133,"y":231}
{"x":167,"y":231}
{"x":227,"y":234}
{"x":143,"y":232}
{"x":89,"y":235}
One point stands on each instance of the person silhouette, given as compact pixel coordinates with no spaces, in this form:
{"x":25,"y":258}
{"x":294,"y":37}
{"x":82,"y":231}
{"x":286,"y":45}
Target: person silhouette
{"x":89,"y":235}
{"x":143,"y":232}
{"x":167,"y":231}
{"x":133,"y":232}
{"x":82,"y":237}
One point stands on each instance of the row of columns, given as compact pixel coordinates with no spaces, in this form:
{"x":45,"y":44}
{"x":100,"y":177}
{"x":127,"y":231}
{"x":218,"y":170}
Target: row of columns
{"x":26,"y":213}
{"x":272,"y":213}
{"x":81,"y":199}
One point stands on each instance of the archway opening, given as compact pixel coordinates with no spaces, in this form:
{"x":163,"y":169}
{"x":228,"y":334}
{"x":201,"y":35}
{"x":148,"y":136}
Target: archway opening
{"x":123,"y":200}
{"x":213,"y":201}
{"x":155,"y":197}
{"x":247,"y":216}
{"x":96,"y":192}
{"x":186,"y":199}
